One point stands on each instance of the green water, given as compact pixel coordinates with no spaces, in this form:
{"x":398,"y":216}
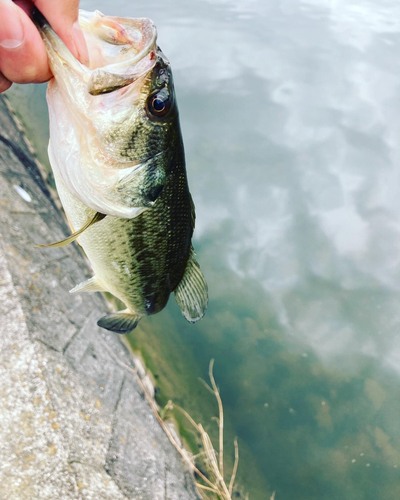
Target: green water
{"x":290,"y":113}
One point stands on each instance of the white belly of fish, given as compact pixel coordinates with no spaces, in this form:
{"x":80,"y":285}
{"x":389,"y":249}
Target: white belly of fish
{"x":110,"y":275}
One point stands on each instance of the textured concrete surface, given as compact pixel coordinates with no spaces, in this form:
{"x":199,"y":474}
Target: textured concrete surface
{"x":73,"y":423}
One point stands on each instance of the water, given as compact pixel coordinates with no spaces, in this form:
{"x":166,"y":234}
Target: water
{"x":290,"y":113}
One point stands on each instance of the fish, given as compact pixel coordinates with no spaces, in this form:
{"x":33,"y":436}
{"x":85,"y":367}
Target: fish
{"x":117,"y":156}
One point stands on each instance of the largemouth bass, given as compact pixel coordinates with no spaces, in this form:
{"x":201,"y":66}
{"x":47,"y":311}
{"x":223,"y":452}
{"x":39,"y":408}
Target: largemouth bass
{"x":117,"y":156}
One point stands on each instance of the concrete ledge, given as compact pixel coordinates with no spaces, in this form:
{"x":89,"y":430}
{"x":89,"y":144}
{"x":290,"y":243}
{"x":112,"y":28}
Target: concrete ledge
{"x":74,"y":424}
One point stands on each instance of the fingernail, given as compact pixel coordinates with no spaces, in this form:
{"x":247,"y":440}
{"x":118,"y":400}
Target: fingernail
{"x":11,"y":32}
{"x":80,"y":43}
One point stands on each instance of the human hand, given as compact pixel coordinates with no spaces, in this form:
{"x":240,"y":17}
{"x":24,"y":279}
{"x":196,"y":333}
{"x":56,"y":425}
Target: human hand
{"x":23,"y":57}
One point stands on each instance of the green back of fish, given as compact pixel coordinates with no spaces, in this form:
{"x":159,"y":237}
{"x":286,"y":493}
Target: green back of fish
{"x":160,"y":240}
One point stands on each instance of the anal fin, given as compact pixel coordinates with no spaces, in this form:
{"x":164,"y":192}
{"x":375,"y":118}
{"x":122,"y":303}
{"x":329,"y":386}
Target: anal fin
{"x":119,"y":322}
{"x":192,"y":292}
{"x":90,"y":285}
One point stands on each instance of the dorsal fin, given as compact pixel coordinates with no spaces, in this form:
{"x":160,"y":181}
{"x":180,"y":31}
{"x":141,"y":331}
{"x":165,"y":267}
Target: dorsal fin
{"x":96,"y":218}
{"x":192,"y":292}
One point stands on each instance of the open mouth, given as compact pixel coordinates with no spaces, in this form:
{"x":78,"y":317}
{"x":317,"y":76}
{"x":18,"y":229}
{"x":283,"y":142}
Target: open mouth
{"x":120,"y":50}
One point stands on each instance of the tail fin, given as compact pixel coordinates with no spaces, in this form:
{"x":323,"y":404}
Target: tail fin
{"x":119,"y":322}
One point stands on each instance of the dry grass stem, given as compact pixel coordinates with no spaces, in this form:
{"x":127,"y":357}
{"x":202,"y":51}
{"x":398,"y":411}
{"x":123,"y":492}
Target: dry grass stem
{"x":221,"y":418}
{"x":235,"y":466}
{"x":167,"y":431}
{"x":215,"y":466}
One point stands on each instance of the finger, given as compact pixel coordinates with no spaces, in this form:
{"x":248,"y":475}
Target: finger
{"x":4,"y":83}
{"x":63,"y":18}
{"x":23,"y":56}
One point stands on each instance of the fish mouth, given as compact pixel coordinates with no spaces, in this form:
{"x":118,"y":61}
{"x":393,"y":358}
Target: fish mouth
{"x":120,"y":50}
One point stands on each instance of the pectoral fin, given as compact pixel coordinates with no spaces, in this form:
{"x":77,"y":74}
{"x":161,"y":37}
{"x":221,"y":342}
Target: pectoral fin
{"x":192,"y":292}
{"x":90,"y":285}
{"x":119,"y":322}
{"x":97,"y":217}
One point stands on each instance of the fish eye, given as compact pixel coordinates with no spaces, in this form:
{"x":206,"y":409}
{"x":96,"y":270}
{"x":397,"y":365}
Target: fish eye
{"x":159,"y":104}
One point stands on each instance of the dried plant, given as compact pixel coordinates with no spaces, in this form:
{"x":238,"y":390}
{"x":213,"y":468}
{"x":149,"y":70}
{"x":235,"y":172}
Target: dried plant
{"x":213,"y":462}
